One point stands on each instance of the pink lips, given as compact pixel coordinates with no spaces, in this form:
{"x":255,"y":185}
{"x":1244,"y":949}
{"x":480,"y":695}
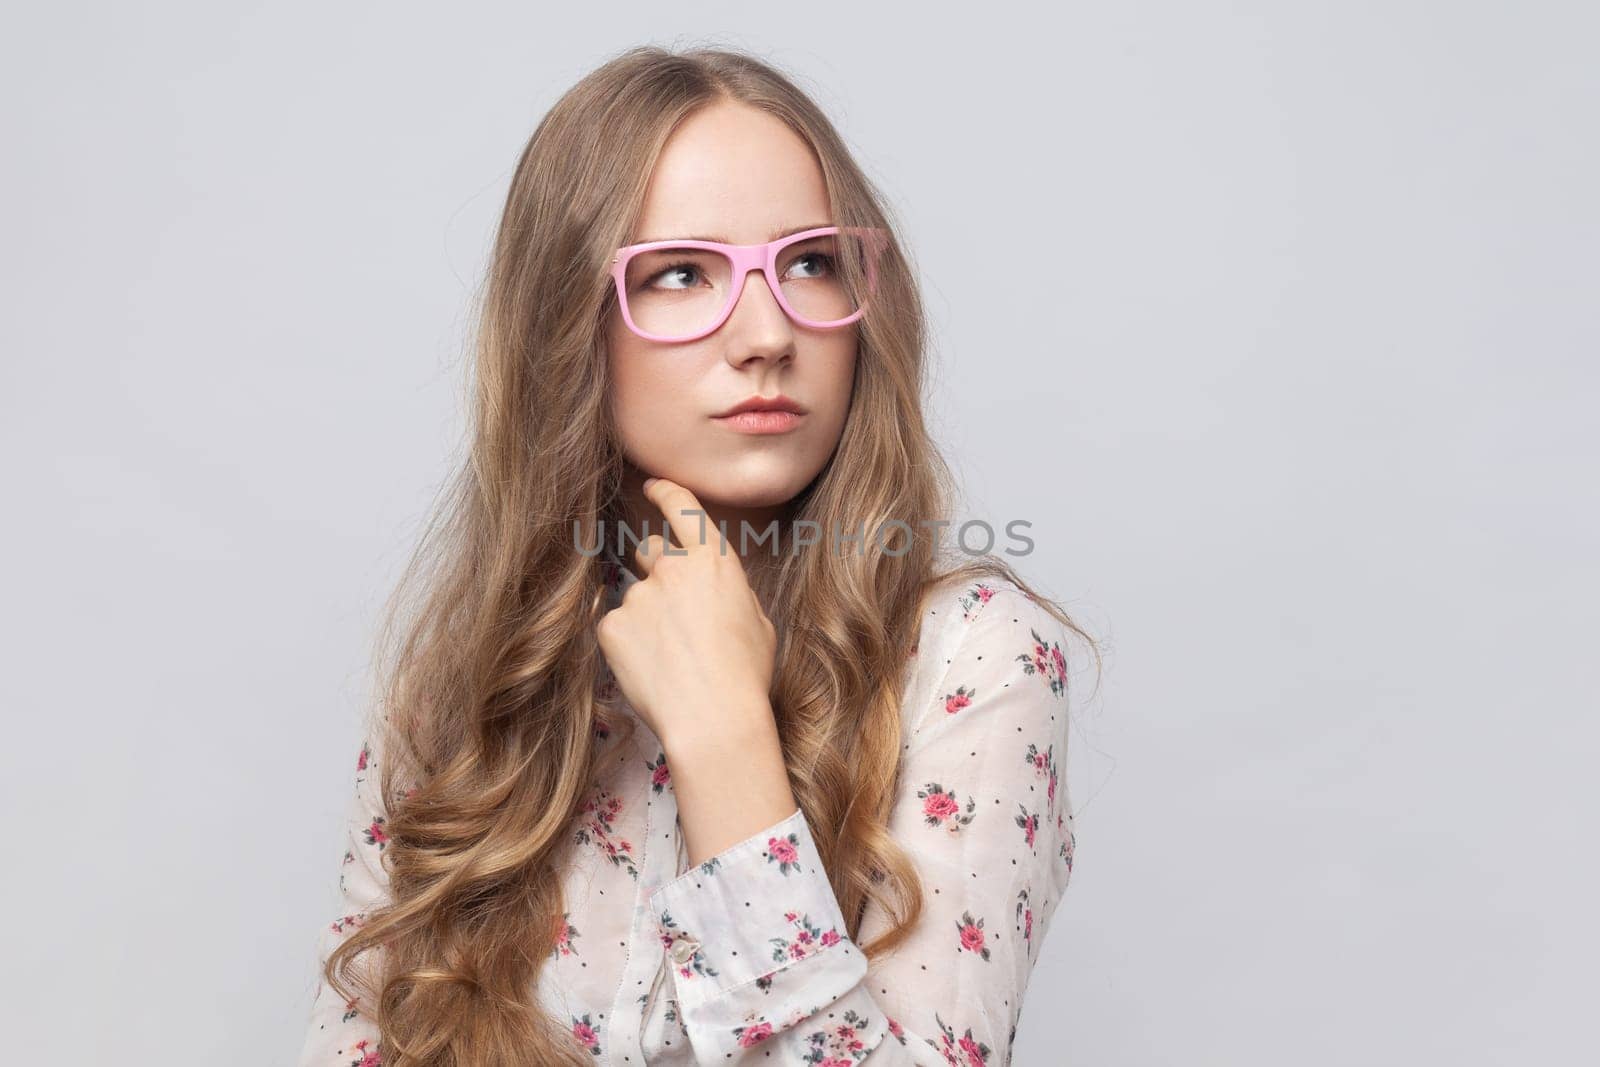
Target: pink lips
{"x":763,"y":414}
{"x":764,"y":421}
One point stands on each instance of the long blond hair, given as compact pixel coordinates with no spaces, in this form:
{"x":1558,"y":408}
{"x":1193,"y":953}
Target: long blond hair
{"x":487,"y":701}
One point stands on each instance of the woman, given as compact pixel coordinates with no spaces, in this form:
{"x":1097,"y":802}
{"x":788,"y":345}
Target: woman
{"x":706,"y":801}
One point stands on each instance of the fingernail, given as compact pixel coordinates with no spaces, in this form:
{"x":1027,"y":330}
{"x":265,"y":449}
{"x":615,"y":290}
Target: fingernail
{"x":648,"y":482}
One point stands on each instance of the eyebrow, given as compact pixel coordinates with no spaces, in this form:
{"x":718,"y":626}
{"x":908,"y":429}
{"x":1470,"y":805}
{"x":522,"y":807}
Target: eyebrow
{"x":724,"y":241}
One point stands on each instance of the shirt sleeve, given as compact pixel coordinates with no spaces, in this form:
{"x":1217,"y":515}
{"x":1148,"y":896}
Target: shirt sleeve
{"x":341,"y":1032}
{"x":755,"y":936}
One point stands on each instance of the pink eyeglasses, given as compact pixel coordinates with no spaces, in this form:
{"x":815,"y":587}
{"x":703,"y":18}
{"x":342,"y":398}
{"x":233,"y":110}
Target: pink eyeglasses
{"x":683,"y":290}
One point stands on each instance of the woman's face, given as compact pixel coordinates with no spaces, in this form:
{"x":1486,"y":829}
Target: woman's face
{"x":735,"y":174}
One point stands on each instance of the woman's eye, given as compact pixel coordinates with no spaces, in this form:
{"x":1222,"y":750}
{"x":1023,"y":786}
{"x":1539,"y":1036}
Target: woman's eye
{"x":813,"y":265}
{"x":684,"y":273}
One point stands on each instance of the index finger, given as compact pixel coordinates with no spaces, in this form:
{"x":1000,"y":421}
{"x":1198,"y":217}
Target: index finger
{"x":674,"y":500}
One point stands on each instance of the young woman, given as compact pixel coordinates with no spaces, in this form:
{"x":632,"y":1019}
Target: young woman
{"x":700,"y":799}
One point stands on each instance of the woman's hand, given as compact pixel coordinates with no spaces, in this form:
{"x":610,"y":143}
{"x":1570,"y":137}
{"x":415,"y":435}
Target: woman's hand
{"x":690,"y":645}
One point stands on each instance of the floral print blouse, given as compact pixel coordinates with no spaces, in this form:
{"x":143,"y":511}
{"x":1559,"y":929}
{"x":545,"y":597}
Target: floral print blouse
{"x":745,"y":958}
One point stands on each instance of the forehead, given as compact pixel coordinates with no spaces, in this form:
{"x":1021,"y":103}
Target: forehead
{"x":734,"y":173}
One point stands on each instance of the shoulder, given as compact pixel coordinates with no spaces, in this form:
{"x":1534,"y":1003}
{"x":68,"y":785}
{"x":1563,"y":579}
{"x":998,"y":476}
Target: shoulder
{"x":959,"y":612}
{"x":985,"y":631}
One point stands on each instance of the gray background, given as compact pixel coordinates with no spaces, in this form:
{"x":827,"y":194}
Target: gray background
{"x":1278,"y":320}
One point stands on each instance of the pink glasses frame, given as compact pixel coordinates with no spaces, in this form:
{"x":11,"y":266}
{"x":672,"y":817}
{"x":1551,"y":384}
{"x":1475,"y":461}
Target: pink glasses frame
{"x":746,"y":258}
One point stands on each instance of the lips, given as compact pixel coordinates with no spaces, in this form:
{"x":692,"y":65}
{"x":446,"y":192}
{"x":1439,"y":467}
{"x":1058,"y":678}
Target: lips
{"x":761,"y":421}
{"x":764,"y":404}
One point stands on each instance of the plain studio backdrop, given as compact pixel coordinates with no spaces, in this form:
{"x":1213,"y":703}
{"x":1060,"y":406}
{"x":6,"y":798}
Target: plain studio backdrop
{"x":1277,"y":320}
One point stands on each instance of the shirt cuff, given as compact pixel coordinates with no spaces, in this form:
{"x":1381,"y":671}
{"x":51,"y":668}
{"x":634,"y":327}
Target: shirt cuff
{"x":755,"y":908}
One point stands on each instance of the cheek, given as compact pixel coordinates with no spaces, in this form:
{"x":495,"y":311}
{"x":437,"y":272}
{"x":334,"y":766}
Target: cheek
{"x":649,"y":400}
{"x":632,"y":387}
{"x":839,"y":379}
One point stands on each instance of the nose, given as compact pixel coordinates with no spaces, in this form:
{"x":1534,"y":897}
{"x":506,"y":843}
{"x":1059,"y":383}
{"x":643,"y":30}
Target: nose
{"x":758,"y":326}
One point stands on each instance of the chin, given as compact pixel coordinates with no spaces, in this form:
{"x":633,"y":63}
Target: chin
{"x":769,"y":498}
{"x":756,"y":491}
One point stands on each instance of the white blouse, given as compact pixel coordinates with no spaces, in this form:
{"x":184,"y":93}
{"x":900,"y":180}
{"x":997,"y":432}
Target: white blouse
{"x":744,"y":959}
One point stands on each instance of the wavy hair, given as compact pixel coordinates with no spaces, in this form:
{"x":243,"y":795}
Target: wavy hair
{"x":489,"y":671}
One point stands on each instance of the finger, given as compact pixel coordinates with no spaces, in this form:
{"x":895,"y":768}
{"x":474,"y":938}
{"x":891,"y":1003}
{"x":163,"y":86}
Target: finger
{"x":647,"y":551}
{"x":684,"y":515}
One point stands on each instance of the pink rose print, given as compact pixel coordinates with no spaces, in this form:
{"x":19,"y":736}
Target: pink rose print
{"x":1046,"y":661}
{"x":584,"y":1030}
{"x":1029,"y":824}
{"x":974,"y":598}
{"x":660,"y":775}
{"x":565,"y":932}
{"x":361,"y":760}
{"x":348,"y":922}
{"x":782,"y":851}
{"x":1025,"y":918}
{"x":963,"y":1051}
{"x":598,"y":814}
{"x":375,"y":834}
{"x":807,"y":941}
{"x":366,"y":1057}
{"x":972,"y":935}
{"x":1038,"y":760}
{"x":940,"y":808}
{"x":961,"y":698}
{"x":896,"y":1029}
{"x":838,"y":1046}
{"x":1044,"y":766}
{"x":750,"y":1036}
